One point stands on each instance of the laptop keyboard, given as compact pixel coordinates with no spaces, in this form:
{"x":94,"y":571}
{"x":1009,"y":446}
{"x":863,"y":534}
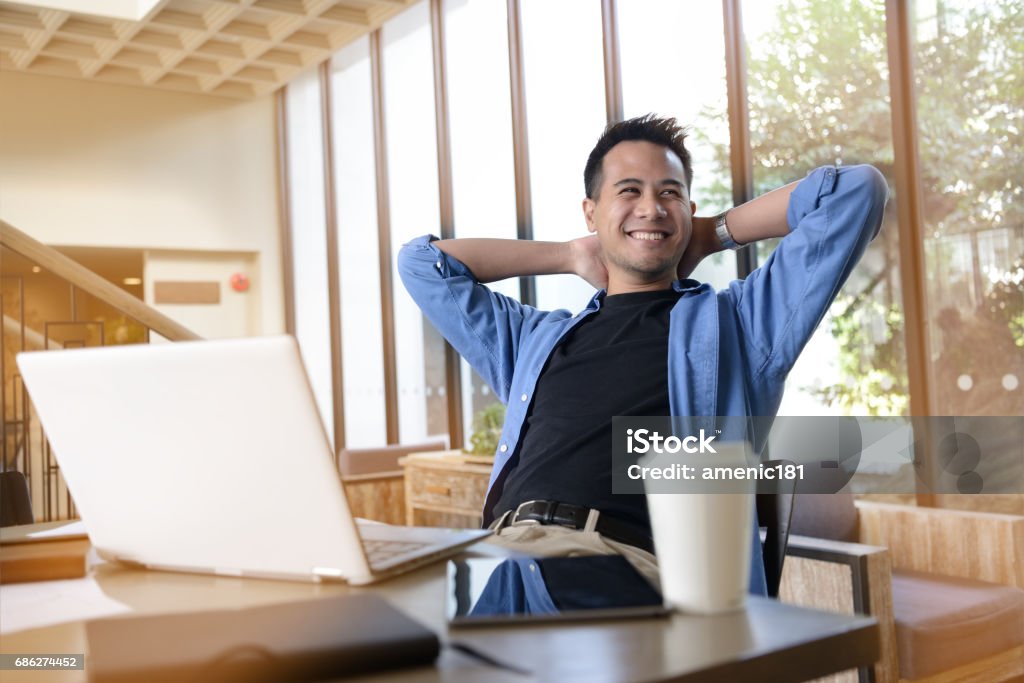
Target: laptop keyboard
{"x":379,"y":552}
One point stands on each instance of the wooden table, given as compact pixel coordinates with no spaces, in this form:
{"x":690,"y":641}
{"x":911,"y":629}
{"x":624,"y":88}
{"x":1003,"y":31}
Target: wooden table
{"x":769,"y":641}
{"x":445,"y":488}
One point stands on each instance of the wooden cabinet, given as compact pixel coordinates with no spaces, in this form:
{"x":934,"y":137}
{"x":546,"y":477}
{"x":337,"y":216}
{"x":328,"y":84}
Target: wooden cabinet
{"x":445,"y":488}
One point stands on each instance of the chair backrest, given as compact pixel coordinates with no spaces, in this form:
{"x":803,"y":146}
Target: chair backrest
{"x":828,"y":516}
{"x":355,"y":461}
{"x":774,"y":511}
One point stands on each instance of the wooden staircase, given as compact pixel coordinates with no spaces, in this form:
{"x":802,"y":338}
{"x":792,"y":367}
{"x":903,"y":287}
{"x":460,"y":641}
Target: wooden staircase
{"x":23,"y":445}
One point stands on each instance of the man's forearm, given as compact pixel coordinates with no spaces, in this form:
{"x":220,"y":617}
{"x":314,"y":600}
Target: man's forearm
{"x":761,"y":218}
{"x":497,"y":259}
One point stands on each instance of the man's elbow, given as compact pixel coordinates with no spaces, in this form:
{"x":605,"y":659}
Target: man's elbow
{"x":405,"y":263}
{"x":868,"y":182}
{"x":405,"y":259}
{"x":414,"y":264}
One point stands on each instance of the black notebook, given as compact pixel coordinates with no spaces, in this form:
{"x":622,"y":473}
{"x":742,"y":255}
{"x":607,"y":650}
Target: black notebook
{"x":297,"y":641}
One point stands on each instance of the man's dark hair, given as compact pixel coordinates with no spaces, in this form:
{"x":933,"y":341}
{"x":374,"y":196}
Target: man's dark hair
{"x":650,"y":128}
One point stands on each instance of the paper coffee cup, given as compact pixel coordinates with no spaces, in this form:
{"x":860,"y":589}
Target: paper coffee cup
{"x":703,"y":542}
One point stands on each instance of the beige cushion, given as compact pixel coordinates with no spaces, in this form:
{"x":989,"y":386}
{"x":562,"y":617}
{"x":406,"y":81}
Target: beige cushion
{"x":353,"y":461}
{"x":944,"y":622}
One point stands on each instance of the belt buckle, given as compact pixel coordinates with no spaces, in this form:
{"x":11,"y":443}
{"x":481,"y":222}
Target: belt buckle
{"x":519,"y":510}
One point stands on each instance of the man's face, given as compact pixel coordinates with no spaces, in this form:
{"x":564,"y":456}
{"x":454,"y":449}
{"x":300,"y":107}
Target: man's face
{"x":642,"y":214}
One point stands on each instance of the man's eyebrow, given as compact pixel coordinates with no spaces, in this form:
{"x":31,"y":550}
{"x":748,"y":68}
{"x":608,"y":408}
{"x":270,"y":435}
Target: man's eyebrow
{"x":637,"y":181}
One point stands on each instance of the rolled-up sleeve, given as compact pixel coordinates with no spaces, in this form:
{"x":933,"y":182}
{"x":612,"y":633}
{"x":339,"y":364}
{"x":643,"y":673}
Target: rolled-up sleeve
{"x":833,"y":215}
{"x":485,"y":327}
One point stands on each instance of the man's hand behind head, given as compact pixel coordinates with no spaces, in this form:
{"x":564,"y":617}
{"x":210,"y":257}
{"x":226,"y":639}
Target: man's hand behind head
{"x":703,"y":243}
{"x":588,"y":261}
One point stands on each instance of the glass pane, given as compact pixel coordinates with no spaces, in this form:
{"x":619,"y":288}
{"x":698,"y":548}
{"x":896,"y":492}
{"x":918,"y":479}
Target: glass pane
{"x":818,"y":90}
{"x":362,"y":346}
{"x":480,"y":121}
{"x":412,"y":168}
{"x":564,"y":75}
{"x":309,"y":236}
{"x":655,"y":35}
{"x":972,"y":167}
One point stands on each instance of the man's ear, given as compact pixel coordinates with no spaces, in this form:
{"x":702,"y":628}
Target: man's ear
{"x":693,"y":209}
{"x":588,"y":214}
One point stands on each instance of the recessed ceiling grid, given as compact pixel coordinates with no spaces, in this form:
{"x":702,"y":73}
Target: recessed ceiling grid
{"x":233,"y":48}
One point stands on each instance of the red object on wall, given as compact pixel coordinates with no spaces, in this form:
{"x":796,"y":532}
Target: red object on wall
{"x":240,"y":282}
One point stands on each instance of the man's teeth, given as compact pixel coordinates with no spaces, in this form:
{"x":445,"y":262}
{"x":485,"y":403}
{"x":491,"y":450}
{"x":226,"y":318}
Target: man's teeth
{"x":646,"y":235}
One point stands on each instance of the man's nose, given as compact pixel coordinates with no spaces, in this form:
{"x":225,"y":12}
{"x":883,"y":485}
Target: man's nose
{"x":650,"y":208}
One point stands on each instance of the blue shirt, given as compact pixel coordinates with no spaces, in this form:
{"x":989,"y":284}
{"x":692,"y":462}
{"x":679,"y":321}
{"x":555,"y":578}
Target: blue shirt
{"x":729,"y":351}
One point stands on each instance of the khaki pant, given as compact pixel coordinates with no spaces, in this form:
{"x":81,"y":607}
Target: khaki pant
{"x":540,"y":540}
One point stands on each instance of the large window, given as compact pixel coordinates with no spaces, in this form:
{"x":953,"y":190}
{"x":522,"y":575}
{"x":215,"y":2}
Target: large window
{"x":309,"y":246}
{"x":480,"y":121}
{"x":412,"y":168}
{"x":565,"y":113}
{"x":818,"y":92}
{"x":362,"y":347}
{"x":972,"y":167}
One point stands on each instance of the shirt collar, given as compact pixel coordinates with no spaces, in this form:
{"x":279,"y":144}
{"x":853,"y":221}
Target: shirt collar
{"x":681,"y":286}
{"x":686,"y":285}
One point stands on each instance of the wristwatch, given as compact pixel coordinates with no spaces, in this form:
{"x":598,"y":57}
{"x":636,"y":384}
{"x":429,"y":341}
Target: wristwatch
{"x":723,"y":234}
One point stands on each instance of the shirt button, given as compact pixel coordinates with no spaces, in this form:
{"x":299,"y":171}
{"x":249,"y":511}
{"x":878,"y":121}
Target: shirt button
{"x":504,"y":447}
{"x":438,"y":264}
{"x":523,"y":397}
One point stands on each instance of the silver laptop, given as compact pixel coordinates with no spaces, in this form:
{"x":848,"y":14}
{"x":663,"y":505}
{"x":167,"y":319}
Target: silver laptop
{"x":211,"y":457}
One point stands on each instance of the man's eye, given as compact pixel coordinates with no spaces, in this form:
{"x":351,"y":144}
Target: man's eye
{"x":629,"y":189}
{"x":674,"y":193}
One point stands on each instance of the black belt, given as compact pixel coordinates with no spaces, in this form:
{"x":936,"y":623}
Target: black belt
{"x":575,"y":517}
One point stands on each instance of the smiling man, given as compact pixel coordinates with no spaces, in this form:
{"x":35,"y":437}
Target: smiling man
{"x":644,"y":222}
{"x":649,"y":342}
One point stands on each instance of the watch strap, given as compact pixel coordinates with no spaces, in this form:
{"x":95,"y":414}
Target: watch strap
{"x":722,"y":232}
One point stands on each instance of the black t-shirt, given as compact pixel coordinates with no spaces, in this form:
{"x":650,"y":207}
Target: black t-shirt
{"x":614,"y":362}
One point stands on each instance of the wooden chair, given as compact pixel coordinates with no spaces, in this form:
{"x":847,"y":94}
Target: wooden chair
{"x":947,"y":586}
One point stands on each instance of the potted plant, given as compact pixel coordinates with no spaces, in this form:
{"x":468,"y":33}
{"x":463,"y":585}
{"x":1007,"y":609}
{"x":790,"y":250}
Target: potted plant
{"x":487,"y":430}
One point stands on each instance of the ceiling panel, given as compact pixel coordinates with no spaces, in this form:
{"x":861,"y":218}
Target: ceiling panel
{"x":227,"y":48}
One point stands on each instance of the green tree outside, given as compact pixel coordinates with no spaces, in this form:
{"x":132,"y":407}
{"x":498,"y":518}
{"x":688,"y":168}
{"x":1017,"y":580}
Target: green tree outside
{"x":818,"y":92}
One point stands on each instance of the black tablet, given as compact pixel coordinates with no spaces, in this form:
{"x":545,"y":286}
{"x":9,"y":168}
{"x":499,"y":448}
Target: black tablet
{"x":530,"y":589}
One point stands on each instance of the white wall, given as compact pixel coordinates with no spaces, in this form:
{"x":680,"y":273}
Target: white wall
{"x":237,"y":314}
{"x":91,"y":164}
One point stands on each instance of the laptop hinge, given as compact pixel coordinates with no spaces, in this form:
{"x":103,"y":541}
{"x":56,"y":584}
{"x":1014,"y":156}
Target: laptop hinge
{"x":327,"y":572}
